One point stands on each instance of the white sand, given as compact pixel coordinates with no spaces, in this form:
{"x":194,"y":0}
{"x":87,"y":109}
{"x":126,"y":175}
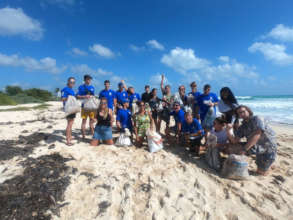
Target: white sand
{"x":131,"y":183}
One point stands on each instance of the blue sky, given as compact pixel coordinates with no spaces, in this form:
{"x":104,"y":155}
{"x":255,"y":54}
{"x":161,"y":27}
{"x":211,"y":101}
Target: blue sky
{"x":246,"y":45}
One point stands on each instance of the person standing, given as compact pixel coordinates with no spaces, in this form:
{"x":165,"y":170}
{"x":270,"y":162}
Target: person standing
{"x":227,"y":104}
{"x":167,"y":102}
{"x":195,"y":94}
{"x":181,"y":97}
{"x":154,"y":105}
{"x":109,"y":94}
{"x":65,"y":93}
{"x":86,"y":91}
{"x":121,"y":93}
{"x":103,"y":129}
{"x":207,"y":103}
{"x":133,"y":97}
{"x":146,"y":96}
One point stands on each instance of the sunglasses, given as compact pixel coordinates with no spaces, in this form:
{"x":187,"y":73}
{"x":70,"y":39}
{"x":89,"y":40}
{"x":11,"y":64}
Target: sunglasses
{"x":103,"y":103}
{"x":72,"y":82}
{"x":176,"y":105}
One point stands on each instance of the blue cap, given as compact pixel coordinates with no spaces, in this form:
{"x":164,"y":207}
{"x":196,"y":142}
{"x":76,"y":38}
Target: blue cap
{"x":125,"y":101}
{"x":120,"y":84}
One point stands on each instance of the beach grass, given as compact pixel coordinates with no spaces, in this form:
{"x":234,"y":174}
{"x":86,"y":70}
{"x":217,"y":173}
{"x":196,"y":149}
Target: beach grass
{"x":22,"y":108}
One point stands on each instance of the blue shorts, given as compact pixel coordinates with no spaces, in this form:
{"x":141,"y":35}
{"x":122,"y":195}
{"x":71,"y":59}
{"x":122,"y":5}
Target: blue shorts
{"x":264,"y":161}
{"x":103,"y":133}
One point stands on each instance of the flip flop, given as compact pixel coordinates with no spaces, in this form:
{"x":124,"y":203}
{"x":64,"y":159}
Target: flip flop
{"x":69,"y":144}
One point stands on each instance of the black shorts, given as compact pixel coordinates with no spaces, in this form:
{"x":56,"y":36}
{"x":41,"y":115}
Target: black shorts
{"x":71,"y":116}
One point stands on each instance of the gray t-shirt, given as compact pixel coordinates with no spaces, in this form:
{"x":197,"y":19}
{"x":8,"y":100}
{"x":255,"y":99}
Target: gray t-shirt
{"x":267,"y":141}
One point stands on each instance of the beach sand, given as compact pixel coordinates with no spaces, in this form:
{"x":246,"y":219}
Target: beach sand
{"x":109,"y":182}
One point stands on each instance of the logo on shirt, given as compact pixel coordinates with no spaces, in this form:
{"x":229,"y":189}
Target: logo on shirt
{"x":110,"y":93}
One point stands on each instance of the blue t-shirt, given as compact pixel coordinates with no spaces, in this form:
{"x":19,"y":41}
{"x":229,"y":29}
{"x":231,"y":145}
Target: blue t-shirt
{"x":133,"y":97}
{"x":121,"y":96}
{"x":86,"y":90}
{"x":203,"y":101}
{"x":195,"y":95}
{"x":65,"y":92}
{"x":110,"y":95}
{"x":124,"y":117}
{"x":178,"y":116}
{"x":192,"y":128}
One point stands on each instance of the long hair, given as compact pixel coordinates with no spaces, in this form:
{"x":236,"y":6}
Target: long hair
{"x":104,"y":111}
{"x":152,"y":92}
{"x":247,"y":109}
{"x":230,"y":99}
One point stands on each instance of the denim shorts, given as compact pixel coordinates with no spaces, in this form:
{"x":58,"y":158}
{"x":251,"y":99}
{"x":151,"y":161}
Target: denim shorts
{"x":264,"y":161}
{"x":103,"y":133}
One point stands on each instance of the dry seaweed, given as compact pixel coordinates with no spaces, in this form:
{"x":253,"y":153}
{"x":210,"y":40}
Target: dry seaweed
{"x":37,"y":191}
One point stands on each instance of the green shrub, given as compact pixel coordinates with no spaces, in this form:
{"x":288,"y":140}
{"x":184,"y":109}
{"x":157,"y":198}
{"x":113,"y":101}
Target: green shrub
{"x":41,"y":94}
{"x":6,"y":100}
{"x":13,"y":90}
{"x":24,"y":99}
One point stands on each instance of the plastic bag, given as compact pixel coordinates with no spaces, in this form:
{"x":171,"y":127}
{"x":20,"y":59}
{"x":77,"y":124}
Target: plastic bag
{"x":155,"y":141}
{"x":91,"y":104}
{"x":123,"y":140}
{"x":208,"y":121}
{"x":236,"y":167}
{"x":213,"y":155}
{"x":71,"y":106}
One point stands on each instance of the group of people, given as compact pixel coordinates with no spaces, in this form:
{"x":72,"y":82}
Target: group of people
{"x":194,"y":115}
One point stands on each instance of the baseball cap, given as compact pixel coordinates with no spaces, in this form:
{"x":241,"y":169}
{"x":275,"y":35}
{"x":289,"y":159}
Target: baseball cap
{"x":120,"y":84}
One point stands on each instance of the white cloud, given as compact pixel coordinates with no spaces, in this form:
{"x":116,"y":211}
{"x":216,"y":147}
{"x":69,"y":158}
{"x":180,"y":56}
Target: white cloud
{"x":183,"y":60}
{"x":102,"y":51}
{"x":78,"y":52}
{"x":273,"y":52}
{"x":46,"y":64}
{"x":155,"y":45}
{"x":136,"y":48}
{"x":281,"y":32}
{"x":224,"y":59}
{"x":83,"y":69}
{"x":155,"y":80}
{"x":13,"y":21}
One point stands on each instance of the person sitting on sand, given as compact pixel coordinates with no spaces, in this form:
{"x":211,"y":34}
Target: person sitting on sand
{"x":221,"y":132}
{"x":258,"y":134}
{"x":103,"y":129}
{"x":227,"y":104}
{"x":85,"y":91}
{"x":142,"y":122}
{"x":178,"y":115}
{"x":65,"y":92}
{"x":124,"y":117}
{"x":192,"y":132}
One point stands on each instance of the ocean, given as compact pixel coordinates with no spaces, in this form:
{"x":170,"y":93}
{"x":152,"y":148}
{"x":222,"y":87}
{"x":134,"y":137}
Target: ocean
{"x":277,"y":109}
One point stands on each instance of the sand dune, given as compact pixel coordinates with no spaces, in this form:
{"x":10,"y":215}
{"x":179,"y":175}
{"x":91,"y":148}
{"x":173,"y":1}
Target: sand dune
{"x":107,"y":182}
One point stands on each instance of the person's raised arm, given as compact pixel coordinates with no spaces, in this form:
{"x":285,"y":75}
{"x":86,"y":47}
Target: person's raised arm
{"x":124,"y":84}
{"x":162,"y":84}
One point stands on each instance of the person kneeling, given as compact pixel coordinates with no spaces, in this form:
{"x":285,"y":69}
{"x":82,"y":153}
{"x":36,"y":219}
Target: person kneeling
{"x":124,"y":118}
{"x":103,"y":129}
{"x":192,"y":132}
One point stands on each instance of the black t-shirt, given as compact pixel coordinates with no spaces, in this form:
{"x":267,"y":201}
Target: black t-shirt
{"x":145,"y":97}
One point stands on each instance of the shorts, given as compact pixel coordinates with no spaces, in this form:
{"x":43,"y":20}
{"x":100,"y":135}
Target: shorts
{"x":86,"y":114}
{"x":103,"y":133}
{"x":165,"y":115}
{"x":265,"y":160}
{"x":71,"y":116}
